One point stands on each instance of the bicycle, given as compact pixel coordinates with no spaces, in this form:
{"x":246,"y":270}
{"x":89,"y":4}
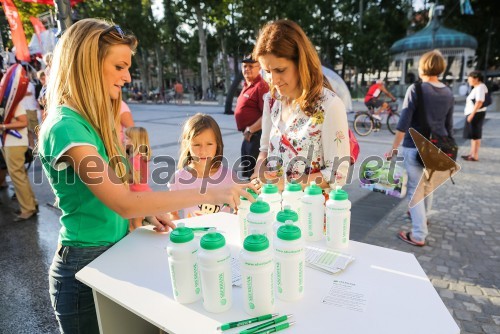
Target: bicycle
{"x":364,"y":122}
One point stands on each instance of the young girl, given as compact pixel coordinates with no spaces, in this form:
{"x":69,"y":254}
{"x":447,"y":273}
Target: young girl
{"x":200,"y":163}
{"x":136,"y":141}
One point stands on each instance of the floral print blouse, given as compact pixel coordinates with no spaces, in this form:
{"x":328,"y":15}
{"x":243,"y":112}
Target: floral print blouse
{"x":306,"y":145}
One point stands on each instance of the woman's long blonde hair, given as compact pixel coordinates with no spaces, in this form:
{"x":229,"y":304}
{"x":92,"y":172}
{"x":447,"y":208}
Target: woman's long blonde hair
{"x":286,"y":39}
{"x":192,"y":128}
{"x":76,"y":79}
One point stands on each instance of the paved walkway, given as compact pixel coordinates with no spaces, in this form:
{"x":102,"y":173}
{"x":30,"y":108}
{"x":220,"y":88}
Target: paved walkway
{"x":461,"y":258}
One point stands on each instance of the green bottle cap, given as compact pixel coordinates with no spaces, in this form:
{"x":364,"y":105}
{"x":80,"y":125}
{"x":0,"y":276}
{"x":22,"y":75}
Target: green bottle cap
{"x":313,"y":189}
{"x":338,"y":194}
{"x":269,"y":188}
{"x":256,"y":243}
{"x":212,"y":240}
{"x":249,"y":190}
{"x":293,"y":186}
{"x":289,"y":232}
{"x":287,"y":214}
{"x":181,"y":234}
{"x":259,"y":206}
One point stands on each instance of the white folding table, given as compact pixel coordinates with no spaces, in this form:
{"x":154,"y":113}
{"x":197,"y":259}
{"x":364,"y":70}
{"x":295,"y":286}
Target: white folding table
{"x":133,"y":292}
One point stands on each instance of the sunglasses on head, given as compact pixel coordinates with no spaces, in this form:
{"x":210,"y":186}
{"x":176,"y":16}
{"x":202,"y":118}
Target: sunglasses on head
{"x":116,"y":29}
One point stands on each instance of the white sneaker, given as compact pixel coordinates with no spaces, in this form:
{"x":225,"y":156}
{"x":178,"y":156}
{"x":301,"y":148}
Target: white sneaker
{"x":377,"y":117}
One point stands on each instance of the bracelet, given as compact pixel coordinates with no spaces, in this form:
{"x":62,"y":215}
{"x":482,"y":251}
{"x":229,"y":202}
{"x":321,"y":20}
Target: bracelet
{"x":247,"y":130}
{"x":3,"y":127}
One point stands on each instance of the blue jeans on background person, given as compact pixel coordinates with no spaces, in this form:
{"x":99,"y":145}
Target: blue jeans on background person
{"x":73,"y":301}
{"x":419,"y":212}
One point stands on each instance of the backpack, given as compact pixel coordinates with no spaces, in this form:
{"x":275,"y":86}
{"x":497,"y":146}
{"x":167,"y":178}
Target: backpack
{"x":487,"y":100}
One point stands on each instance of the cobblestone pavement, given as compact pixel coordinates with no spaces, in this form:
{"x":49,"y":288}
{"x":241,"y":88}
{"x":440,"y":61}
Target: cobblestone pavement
{"x":462,"y":257}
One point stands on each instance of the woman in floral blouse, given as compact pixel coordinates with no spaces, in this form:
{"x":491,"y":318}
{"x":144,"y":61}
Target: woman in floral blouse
{"x":304,"y":125}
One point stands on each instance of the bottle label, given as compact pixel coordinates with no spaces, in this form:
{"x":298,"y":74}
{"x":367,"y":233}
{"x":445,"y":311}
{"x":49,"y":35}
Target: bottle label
{"x":196,"y":279}
{"x":301,"y":276}
{"x":250,"y":300}
{"x":222,"y":289}
{"x":278,"y":277}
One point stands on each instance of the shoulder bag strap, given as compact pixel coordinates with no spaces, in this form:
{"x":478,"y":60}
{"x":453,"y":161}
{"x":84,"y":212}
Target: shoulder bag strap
{"x":422,"y":117}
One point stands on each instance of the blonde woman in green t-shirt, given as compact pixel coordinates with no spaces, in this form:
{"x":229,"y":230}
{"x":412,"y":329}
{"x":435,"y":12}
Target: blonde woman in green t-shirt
{"x":81,"y":156}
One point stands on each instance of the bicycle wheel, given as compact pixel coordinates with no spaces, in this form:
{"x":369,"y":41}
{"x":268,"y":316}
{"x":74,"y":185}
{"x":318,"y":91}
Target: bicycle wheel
{"x":363,"y":124}
{"x":392,"y":122}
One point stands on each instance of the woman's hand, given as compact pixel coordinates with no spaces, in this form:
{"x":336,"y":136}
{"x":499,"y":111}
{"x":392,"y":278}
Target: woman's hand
{"x":230,"y":195}
{"x":470,"y":117}
{"x":162,"y":223}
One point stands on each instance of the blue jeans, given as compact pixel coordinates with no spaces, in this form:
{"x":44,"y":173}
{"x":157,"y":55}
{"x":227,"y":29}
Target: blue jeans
{"x":419,"y":212}
{"x":73,"y":301}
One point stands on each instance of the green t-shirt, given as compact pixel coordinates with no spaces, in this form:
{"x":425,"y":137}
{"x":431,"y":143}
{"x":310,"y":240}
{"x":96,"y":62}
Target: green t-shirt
{"x":85,"y":220}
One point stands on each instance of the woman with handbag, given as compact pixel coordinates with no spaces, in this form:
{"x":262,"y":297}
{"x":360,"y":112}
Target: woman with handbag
{"x":437,"y":104}
{"x":305,"y":135}
{"x":475,"y":111}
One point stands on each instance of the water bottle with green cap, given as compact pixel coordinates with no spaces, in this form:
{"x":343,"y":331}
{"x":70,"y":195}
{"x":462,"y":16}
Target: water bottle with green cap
{"x":243,"y":210}
{"x":214,"y":260}
{"x":292,"y":196}
{"x":338,"y":219}
{"x":313,"y":212}
{"x":287,"y":214}
{"x":183,"y":264}
{"x":270,"y":194}
{"x":257,"y":275}
{"x":259,"y":218}
{"x":289,"y":257}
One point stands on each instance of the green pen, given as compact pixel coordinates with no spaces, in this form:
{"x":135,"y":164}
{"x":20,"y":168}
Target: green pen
{"x":201,"y":228}
{"x":276,"y":329}
{"x":235,"y":324}
{"x":254,"y":329}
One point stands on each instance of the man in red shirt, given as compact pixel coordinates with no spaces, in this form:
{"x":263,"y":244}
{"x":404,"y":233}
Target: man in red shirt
{"x":372,"y":97}
{"x":248,"y":113}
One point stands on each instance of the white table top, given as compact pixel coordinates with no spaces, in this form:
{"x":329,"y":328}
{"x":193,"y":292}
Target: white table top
{"x":399,"y":297}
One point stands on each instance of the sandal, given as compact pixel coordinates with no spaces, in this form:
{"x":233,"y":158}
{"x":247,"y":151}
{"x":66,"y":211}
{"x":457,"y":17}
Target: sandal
{"x":470,"y":158}
{"x":406,"y":237}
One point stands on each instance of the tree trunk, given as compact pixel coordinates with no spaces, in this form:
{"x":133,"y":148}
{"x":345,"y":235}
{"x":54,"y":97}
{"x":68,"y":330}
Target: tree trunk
{"x":228,"y":109}
{"x":141,"y":58}
{"x":159,"y":62}
{"x":225,"y":65}
{"x":203,"y":51}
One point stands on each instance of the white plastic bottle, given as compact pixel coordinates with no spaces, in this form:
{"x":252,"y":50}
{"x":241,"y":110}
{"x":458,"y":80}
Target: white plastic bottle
{"x":338,"y":219}
{"x":287,"y":214}
{"x":257,"y":274}
{"x":292,"y":196}
{"x":182,"y":253}
{"x":259,"y":219}
{"x":214,"y":259}
{"x":289,"y":257}
{"x":243,"y":210}
{"x":270,"y":194}
{"x":313,"y":212}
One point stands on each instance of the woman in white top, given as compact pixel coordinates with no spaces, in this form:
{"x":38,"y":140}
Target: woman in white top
{"x":304,"y":125}
{"x":474,"y":113}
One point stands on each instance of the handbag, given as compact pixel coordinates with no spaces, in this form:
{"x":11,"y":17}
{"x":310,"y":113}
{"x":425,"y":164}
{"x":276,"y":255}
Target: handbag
{"x":353,"y":147}
{"x":435,"y":143}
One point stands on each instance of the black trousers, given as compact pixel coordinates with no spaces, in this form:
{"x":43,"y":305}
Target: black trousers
{"x":249,"y":154}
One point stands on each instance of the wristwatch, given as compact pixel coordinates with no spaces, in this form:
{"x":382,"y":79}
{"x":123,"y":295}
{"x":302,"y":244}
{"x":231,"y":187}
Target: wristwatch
{"x":247,"y":131}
